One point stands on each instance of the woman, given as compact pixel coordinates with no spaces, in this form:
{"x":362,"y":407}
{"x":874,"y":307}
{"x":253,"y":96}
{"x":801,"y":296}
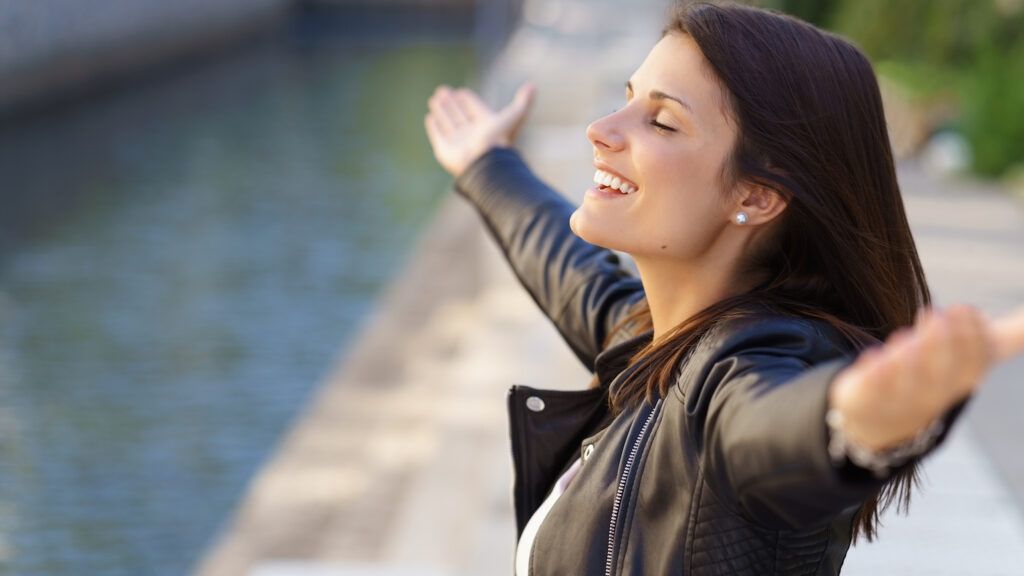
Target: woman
{"x":770,"y":381}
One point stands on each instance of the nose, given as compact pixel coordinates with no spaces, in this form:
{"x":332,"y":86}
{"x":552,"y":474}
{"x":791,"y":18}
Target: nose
{"x":604,"y":132}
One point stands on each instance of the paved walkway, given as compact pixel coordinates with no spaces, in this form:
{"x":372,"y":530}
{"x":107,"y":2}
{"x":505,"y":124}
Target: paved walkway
{"x":401,"y":465}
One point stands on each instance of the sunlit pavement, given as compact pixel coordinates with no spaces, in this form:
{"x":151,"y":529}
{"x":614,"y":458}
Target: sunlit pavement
{"x":401,"y":466}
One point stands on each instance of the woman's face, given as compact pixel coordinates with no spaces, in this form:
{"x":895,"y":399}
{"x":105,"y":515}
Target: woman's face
{"x":678,"y":208}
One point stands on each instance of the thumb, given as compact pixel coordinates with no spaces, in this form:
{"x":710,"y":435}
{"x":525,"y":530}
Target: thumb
{"x":1008,"y":332}
{"x":521,"y":102}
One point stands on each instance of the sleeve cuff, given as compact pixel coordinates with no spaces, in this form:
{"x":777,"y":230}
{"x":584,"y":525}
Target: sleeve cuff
{"x":474,"y":178}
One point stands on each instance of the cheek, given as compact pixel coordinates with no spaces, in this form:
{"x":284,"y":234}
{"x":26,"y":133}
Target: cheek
{"x":693,"y":168}
{"x":680,"y":220}
{"x":686,"y":187}
{"x":681,"y":214}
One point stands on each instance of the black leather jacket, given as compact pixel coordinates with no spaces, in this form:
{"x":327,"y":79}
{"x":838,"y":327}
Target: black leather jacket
{"x":727,"y":474}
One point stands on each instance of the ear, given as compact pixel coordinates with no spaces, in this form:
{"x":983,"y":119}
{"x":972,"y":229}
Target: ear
{"x":762,"y":204}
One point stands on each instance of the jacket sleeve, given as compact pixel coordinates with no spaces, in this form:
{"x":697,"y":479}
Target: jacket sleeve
{"x":764,"y":434}
{"x":583,"y":289}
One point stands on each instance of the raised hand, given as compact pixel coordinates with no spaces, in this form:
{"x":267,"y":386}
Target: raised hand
{"x":461,"y":127}
{"x":893,"y":391}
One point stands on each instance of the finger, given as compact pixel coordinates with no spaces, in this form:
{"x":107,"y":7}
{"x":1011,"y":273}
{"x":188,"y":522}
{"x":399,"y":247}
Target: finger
{"x":972,"y":346}
{"x":453,"y":107}
{"x":1007,"y":333}
{"x":970,"y":349}
{"x":514,"y":112}
{"x":890,"y":376}
{"x":954,"y":344}
{"x":934,"y":376}
{"x":474,"y":106}
{"x":914,"y":355}
{"x":441,"y":114}
{"x":912,"y":365}
{"x":434,"y":132}
{"x":938,"y":354}
{"x":526,"y":92}
{"x":986,"y":346}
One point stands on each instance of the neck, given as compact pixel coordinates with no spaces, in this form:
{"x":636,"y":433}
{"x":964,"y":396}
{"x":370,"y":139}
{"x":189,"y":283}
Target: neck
{"x":676,"y":291}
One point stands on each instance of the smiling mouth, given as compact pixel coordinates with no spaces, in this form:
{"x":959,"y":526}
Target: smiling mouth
{"x":606,"y":192}
{"x":611,"y":190}
{"x":609,"y":182}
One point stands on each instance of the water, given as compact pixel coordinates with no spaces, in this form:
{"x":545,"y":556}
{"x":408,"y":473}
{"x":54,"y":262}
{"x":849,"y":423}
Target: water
{"x":181,"y":260}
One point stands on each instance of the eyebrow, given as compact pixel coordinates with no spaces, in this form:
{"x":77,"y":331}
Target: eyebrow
{"x":659,"y":95}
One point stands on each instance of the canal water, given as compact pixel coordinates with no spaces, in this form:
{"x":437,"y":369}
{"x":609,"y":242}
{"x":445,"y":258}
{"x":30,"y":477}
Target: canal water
{"x":182,"y":258}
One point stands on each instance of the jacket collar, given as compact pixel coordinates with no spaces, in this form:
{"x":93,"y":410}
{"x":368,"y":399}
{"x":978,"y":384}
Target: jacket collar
{"x":611,"y":361}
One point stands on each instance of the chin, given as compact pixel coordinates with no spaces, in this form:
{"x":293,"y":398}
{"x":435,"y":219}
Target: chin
{"x":588,"y":230}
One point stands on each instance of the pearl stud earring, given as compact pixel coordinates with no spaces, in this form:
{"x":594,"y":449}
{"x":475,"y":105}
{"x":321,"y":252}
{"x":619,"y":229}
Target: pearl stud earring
{"x":741,"y":217}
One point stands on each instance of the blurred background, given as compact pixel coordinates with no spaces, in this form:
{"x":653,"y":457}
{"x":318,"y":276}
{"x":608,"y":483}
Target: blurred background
{"x":201,"y":201}
{"x":245,"y":327}
{"x":953,"y":72}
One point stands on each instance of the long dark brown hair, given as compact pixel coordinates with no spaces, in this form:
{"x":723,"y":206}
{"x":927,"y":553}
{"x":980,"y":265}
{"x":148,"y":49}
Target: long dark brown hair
{"x":810,"y":126}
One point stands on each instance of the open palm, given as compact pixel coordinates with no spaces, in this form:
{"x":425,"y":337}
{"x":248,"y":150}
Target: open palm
{"x":461,"y":127}
{"x":894,"y":390}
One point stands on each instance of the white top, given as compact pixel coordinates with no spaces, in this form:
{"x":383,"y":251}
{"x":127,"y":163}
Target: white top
{"x":525,"y":545}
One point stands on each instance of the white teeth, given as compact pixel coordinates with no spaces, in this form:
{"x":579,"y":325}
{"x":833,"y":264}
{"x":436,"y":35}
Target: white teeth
{"x":602,"y":177}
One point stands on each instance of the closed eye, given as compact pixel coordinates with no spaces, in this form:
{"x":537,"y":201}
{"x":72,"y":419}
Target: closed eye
{"x":657,"y":125}
{"x":661,"y":126}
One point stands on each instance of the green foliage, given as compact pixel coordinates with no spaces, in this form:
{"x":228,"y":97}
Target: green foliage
{"x":917,"y":30}
{"x":968,"y":51}
{"x":922,"y":82}
{"x":817,"y":12}
{"x":993,"y":110}
{"x":973,"y":48}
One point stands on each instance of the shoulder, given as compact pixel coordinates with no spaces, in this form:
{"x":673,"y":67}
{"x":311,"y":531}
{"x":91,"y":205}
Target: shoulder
{"x":776,"y":333}
{"x":765,"y":338}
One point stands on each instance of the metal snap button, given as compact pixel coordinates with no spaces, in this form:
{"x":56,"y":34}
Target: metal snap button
{"x":587,"y":451}
{"x":534,"y":403}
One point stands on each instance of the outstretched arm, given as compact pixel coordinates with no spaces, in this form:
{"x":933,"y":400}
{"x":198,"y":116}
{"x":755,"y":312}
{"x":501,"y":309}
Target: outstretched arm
{"x":762,"y":409}
{"x":582,"y":288}
{"x":758,"y":414}
{"x":895,"y":390}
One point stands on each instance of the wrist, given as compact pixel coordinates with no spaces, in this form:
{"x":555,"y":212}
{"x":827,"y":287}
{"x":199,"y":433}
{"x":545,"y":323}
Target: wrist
{"x":474,"y":163}
{"x":843,"y":404}
{"x":843,"y":448}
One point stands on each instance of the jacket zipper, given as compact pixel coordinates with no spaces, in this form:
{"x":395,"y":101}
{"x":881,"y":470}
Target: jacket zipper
{"x":621,"y":489}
